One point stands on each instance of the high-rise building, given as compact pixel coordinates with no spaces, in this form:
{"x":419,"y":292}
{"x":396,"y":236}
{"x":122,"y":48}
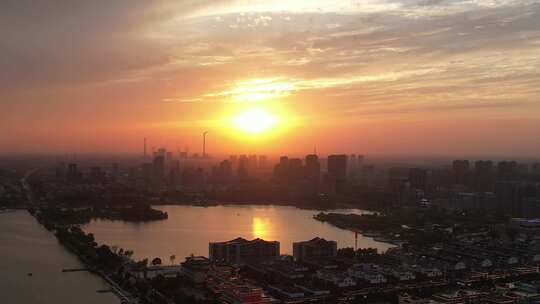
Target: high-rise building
{"x":158,"y":166}
{"x":337,"y":166}
{"x":400,"y":189}
{"x":253,"y":163}
{"x":225,"y":172}
{"x":73,"y":174}
{"x":460,"y":170}
{"x":168,"y":161}
{"x":263,"y":162}
{"x":161,"y":152}
{"x":507,"y":170}
{"x":242,"y":251}
{"x":61,"y":172}
{"x":233,"y":159}
{"x":353,"y":164}
{"x":243,"y":167}
{"x":96,"y":175}
{"x":512,"y":195}
{"x":296,"y":171}
{"x":535,"y":168}
{"x":313,"y":169}
{"x":175,"y":174}
{"x":484,"y":176}
{"x":337,"y":172}
{"x":281,"y":171}
{"x":147,"y":173}
{"x":314,"y":249}
{"x":418,"y":179}
{"x":115,"y":172}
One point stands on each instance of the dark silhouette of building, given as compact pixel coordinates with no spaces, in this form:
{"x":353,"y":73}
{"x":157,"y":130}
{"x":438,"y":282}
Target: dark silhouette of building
{"x":96,"y":175}
{"x":281,"y":171}
{"x":243,"y":167}
{"x":484,"y":176}
{"x":313,"y":169}
{"x":158,"y":169}
{"x":263,"y":162}
{"x":253,"y":163}
{"x":460,"y":171}
{"x":535,"y":168}
{"x":242,"y":251}
{"x":61,"y":172}
{"x":399,"y":188}
{"x":337,"y":172}
{"x":147,"y":173}
{"x":418,"y":179}
{"x":224,"y":172}
{"x":175,"y":174}
{"x":115,"y":172}
{"x":513,"y":196}
{"x":314,"y":249}
{"x":507,"y":170}
{"x":296,"y":171}
{"x":337,"y":166}
{"x":73,"y":174}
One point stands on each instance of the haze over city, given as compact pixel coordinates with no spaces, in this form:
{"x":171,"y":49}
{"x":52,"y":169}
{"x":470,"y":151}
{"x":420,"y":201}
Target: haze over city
{"x":381,"y":77}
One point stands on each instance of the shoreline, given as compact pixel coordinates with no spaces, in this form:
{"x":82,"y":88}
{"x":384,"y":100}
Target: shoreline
{"x":337,"y":206}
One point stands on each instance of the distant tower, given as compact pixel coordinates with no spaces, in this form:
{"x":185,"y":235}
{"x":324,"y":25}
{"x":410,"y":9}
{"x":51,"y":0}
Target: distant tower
{"x":144,"y":153}
{"x":204,"y":144}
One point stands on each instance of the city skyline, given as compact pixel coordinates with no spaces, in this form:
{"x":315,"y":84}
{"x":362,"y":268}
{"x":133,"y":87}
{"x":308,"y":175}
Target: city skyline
{"x":378,"y":77}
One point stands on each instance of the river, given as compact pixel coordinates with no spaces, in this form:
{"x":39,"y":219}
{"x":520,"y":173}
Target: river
{"x":189,"y":229}
{"x":27,"y":247}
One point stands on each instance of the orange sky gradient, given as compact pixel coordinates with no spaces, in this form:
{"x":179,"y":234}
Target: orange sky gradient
{"x":389,"y":77}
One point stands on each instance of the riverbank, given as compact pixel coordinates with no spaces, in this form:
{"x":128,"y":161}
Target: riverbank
{"x":100,"y":260}
{"x":26,"y":247}
{"x":301,"y":206}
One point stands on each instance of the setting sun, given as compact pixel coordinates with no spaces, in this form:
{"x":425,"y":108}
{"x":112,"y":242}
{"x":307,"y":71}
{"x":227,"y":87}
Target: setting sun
{"x":255,"y":121}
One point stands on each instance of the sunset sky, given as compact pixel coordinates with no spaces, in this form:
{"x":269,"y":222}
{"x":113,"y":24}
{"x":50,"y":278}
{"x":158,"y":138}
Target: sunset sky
{"x":374,"y":76}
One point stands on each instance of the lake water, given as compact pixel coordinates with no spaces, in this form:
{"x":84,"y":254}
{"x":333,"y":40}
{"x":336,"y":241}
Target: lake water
{"x":189,"y":229}
{"x":25,"y":246}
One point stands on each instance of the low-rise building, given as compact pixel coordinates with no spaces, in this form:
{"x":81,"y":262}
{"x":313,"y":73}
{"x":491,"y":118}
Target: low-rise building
{"x":244,"y":294}
{"x":242,"y":251}
{"x":151,"y":272}
{"x":196,"y":268}
{"x":335,"y":278}
{"x":459,"y":296}
{"x":286,"y":292}
{"x":369,"y":273}
{"x":314,"y":249}
{"x":313,"y":290}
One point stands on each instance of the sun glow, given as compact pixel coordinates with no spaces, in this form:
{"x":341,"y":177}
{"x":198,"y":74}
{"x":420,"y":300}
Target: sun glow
{"x":261,"y":228}
{"x":255,"y":121}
